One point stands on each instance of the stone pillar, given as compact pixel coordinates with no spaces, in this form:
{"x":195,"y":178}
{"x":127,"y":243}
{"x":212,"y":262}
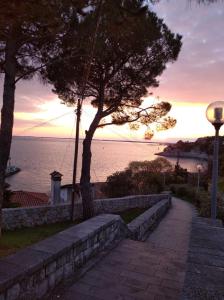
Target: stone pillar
{"x":56,"y":187}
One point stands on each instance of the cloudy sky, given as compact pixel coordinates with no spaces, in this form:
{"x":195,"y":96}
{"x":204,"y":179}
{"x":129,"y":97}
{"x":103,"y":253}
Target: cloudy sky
{"x":192,"y":82}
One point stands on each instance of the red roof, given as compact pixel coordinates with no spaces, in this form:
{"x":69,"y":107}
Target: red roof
{"x":26,"y":199}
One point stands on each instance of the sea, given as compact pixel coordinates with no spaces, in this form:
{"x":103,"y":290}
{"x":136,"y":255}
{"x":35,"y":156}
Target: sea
{"x":38,"y":157}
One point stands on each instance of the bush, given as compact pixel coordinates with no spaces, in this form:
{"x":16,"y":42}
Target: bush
{"x":147,"y":183}
{"x":184,"y":191}
{"x":201,"y":199}
{"x":141,"y":177}
{"x":118,"y":184}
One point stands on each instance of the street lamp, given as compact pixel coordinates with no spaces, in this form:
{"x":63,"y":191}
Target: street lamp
{"x":199,"y":168}
{"x":215,"y":115}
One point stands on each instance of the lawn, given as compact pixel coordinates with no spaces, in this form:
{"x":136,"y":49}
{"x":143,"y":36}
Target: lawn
{"x":131,"y":214}
{"x":11,"y":241}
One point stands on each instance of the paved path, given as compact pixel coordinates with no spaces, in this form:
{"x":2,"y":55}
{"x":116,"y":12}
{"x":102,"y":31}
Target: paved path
{"x":154,"y":269}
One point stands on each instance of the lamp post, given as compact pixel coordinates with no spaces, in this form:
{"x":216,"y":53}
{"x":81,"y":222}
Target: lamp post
{"x":215,"y":115}
{"x":199,"y":168}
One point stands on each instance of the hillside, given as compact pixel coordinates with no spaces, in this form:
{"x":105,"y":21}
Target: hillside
{"x":201,"y":148}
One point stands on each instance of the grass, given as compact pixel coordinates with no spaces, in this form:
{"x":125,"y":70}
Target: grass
{"x":11,"y":241}
{"x":131,"y":214}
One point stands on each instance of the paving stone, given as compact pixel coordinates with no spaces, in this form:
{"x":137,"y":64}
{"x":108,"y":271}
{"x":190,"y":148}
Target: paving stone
{"x":136,"y":283}
{"x":147,"y":270}
{"x":78,"y":296}
{"x":174,"y":277}
{"x":171,"y":292}
{"x":205,"y":269}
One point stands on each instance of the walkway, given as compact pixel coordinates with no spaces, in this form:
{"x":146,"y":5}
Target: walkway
{"x":154,"y":269}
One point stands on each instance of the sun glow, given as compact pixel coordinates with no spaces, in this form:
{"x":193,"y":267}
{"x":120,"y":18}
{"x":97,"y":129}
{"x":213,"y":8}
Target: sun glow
{"x":57,"y":120}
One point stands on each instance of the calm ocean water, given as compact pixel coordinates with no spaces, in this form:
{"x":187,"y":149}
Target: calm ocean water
{"x":38,"y":157}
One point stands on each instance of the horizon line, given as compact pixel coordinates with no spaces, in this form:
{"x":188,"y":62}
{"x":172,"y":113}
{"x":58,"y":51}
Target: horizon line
{"x":95,"y":139}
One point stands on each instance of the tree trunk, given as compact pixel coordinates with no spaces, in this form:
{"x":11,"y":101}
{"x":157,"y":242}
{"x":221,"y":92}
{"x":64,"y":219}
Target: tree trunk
{"x":86,"y":190}
{"x":7,"y":115}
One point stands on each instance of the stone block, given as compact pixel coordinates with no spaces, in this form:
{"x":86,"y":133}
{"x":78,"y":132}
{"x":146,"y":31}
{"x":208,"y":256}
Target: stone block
{"x":42,"y":289}
{"x":13,"y":292}
{"x":52,"y":245}
{"x":34,"y":279}
{"x":2,"y":297}
{"x":59,"y":275}
{"x":68,"y":269}
{"x":144,"y":223}
{"x":87,"y":253}
{"x":51,"y":281}
{"x":51,"y":268}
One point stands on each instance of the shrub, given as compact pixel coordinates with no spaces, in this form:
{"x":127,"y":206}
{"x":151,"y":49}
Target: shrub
{"x":141,"y":177}
{"x":147,"y":183}
{"x":118,"y":184}
{"x":201,"y":199}
{"x":184,"y":191}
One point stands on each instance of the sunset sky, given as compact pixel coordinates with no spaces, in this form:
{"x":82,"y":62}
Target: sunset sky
{"x":189,"y":84}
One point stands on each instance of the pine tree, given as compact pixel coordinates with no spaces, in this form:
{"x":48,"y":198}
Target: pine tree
{"x":131,"y":50}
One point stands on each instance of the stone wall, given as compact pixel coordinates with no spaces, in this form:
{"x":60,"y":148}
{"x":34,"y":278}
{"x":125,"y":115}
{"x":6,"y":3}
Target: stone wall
{"x":141,"y":226}
{"x":34,"y":271}
{"x":31,"y":216}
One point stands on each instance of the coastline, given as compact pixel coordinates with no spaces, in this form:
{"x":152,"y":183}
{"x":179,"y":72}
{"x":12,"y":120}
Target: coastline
{"x":181,"y":154}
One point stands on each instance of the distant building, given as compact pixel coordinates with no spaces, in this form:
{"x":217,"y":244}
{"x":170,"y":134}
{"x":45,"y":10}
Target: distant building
{"x":58,"y":195}
{"x":66,"y":192}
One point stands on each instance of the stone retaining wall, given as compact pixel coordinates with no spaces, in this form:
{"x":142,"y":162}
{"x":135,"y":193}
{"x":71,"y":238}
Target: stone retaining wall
{"x":141,"y":226}
{"x":32,"y":216}
{"x":34,"y":271}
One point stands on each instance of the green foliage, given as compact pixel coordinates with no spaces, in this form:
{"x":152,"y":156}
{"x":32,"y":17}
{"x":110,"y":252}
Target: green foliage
{"x":131,"y":214}
{"x":118,"y":184}
{"x":180,"y":174}
{"x":201,"y":199}
{"x":131,"y":49}
{"x":117,"y":52}
{"x":145,"y":177}
{"x":33,"y":27}
{"x":28,"y":31}
{"x":147,"y":182}
{"x":141,"y":177}
{"x":157,"y":165}
{"x":204,"y":144}
{"x":184,"y":191}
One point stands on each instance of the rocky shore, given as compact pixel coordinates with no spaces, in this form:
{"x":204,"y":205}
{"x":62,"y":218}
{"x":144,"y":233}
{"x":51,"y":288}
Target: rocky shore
{"x":182,"y":154}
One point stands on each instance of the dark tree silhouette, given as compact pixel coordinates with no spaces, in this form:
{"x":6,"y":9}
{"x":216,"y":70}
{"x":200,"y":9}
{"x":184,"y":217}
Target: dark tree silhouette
{"x":132,"y":48}
{"x":28,"y":30}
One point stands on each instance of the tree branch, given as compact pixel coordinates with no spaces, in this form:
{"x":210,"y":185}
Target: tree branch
{"x":29,"y":72}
